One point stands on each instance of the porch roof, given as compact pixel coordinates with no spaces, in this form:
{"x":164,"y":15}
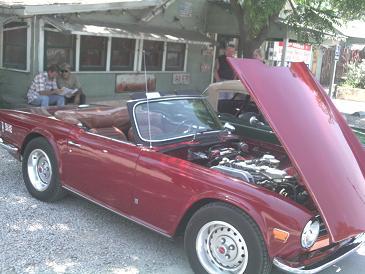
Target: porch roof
{"x":38,"y":7}
{"x":132,"y":31}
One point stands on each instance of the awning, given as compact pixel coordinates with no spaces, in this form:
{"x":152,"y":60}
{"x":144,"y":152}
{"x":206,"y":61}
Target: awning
{"x":132,"y":31}
{"x":39,"y":7}
{"x":4,"y":18}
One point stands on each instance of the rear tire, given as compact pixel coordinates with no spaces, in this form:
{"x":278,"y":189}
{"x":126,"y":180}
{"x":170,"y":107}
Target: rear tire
{"x":40,"y":171}
{"x":220,"y":238}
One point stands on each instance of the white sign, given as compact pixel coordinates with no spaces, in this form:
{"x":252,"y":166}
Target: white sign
{"x":181,"y":78}
{"x":295,"y":52}
{"x":337,"y":52}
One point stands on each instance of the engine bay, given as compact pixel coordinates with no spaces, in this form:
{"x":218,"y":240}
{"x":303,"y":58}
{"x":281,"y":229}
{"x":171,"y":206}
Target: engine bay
{"x":271,"y":170}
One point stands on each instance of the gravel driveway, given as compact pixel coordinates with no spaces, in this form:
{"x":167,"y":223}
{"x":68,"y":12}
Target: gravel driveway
{"x":75,"y":236}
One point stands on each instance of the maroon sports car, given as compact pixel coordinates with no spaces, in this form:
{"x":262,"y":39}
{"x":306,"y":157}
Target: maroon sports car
{"x":167,"y":163}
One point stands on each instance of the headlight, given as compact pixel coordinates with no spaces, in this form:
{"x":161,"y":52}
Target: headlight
{"x":310,"y":233}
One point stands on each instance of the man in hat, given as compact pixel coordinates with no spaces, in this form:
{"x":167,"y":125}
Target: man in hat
{"x":69,"y":81}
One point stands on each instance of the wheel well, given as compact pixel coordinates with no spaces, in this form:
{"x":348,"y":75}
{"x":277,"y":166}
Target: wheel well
{"x":190,"y":212}
{"x":28,"y":139}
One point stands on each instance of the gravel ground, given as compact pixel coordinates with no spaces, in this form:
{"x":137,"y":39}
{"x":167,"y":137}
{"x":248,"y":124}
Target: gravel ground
{"x":75,"y":236}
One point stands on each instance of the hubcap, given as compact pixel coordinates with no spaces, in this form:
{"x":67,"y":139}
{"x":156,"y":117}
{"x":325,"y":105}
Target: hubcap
{"x":221,"y":248}
{"x":39,"y":169}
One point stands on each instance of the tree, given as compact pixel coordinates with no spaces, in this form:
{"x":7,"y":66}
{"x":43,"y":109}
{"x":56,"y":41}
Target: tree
{"x":310,"y":19}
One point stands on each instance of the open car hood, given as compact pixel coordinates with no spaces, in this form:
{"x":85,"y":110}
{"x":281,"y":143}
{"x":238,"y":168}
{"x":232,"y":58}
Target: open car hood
{"x":327,"y":155}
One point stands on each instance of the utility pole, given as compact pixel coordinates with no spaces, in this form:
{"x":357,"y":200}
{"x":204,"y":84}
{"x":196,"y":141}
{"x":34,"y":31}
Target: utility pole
{"x":285,"y":47}
{"x":333,"y":70}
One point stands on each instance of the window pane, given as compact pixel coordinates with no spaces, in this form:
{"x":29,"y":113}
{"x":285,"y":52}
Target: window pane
{"x":93,"y":53}
{"x":59,"y":39}
{"x":122,"y":55}
{"x":59,"y":48}
{"x":154,"y":52}
{"x":15,"y":49}
{"x":59,"y":56}
{"x":175,"y":57}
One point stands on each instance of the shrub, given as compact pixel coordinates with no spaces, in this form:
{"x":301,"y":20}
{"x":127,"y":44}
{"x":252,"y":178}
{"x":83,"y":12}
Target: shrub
{"x":355,"y":76}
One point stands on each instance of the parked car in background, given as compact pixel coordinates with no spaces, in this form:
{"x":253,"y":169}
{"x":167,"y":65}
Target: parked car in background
{"x":167,"y":163}
{"x":234,"y":105}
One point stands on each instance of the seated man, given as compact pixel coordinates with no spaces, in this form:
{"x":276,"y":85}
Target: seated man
{"x":70,"y":81}
{"x":43,"y":91}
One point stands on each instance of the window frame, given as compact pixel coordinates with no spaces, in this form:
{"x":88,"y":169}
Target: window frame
{"x":45,"y":47}
{"x":163,"y":70}
{"x":135,"y":50}
{"x":3,"y":29}
{"x":141,"y":49}
{"x":107,"y":68}
{"x":103,"y":67}
{"x":183,"y":59}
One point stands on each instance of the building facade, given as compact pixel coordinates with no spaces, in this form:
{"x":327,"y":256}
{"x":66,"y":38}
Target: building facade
{"x":109,"y":46}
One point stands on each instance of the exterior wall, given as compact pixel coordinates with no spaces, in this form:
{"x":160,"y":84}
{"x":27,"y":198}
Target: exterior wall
{"x":220,"y":20}
{"x":13,"y":85}
{"x":103,"y":84}
{"x":172,"y":17}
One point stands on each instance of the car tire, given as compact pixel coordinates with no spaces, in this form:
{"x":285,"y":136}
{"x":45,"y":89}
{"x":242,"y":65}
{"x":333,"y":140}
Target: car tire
{"x":40,"y":171}
{"x":221,"y":238}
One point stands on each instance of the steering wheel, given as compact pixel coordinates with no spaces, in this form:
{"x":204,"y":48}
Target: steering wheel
{"x":185,"y":123}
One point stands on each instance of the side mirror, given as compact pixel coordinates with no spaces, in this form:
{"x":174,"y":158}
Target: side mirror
{"x":227,"y":126}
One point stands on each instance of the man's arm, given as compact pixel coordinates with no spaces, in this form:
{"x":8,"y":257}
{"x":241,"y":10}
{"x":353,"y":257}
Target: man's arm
{"x":50,"y":92}
{"x":41,"y":81}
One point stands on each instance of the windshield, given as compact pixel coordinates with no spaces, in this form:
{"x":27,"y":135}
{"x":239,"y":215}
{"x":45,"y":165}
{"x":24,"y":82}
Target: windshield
{"x":174,"y":118}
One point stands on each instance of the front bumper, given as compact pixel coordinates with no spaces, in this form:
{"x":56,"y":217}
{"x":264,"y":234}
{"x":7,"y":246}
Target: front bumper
{"x":336,"y":256}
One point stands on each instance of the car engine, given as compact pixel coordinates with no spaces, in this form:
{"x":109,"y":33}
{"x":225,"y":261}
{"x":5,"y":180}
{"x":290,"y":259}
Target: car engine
{"x":237,"y":162}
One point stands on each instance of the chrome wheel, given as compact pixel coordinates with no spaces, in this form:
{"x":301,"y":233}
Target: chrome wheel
{"x":39,"y":169}
{"x":221,"y":248}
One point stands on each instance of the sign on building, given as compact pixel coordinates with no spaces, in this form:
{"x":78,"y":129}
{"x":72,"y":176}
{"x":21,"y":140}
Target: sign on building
{"x":181,"y":78}
{"x":135,"y":82}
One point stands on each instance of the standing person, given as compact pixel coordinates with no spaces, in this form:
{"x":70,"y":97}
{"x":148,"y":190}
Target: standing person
{"x":70,"y":81}
{"x":257,"y":54}
{"x":43,"y":91}
{"x":223,"y":71}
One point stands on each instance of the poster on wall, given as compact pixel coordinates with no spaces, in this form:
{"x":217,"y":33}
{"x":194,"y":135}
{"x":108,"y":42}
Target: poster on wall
{"x":135,"y":82}
{"x":295,"y":52}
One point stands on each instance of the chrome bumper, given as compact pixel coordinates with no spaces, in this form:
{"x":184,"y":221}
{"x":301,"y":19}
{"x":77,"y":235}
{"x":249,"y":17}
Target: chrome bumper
{"x":330,"y":260}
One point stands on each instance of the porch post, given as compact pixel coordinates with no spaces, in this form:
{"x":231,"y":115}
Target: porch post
{"x":285,"y":46}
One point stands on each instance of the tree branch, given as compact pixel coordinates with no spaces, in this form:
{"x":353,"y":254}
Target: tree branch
{"x":265,"y":30}
{"x":293,"y":7}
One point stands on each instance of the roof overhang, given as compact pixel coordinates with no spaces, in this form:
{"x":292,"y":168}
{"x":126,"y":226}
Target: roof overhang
{"x":25,"y":9}
{"x":132,"y":31}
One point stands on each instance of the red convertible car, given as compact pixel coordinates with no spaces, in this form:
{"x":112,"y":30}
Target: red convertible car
{"x":167,"y":163}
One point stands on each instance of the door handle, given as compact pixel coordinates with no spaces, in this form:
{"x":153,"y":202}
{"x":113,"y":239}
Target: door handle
{"x":71,"y":143}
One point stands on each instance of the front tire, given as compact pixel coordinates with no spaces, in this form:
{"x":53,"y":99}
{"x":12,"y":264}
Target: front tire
{"x":40,"y":171}
{"x":220,"y":238}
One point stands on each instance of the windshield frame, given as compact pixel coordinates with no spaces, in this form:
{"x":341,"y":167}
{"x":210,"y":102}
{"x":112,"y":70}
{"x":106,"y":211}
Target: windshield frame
{"x":200,"y":98}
